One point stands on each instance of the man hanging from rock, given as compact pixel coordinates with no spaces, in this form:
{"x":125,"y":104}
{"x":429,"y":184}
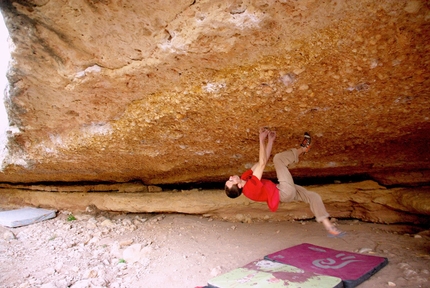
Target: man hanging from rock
{"x":251,"y":184}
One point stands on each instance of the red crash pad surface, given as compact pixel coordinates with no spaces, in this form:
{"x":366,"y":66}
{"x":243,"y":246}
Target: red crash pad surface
{"x":352,"y":268}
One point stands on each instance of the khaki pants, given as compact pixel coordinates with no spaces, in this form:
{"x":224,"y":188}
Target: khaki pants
{"x":288,"y":191}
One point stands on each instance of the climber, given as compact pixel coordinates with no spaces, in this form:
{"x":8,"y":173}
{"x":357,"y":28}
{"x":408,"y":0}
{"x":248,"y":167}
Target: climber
{"x":254,"y":187}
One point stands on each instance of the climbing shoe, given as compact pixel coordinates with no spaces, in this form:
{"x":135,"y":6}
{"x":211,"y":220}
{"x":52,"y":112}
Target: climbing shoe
{"x":306,"y":143}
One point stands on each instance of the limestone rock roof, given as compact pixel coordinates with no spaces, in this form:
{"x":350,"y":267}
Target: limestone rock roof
{"x":175,"y":91}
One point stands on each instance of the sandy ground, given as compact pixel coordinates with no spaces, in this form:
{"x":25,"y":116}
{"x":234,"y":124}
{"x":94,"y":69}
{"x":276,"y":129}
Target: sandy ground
{"x":173,"y":250}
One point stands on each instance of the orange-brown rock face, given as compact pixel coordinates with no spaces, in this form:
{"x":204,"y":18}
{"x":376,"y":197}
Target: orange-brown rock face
{"x":174,"y":91}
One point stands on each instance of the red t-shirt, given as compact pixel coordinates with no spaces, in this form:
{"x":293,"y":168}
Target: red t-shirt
{"x":261,"y":191}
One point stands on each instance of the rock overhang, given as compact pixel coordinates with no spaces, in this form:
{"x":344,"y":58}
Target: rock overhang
{"x":173,"y":93}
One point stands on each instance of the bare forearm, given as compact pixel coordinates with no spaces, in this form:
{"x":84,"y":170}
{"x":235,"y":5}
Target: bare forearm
{"x":263,"y":154}
{"x":269,"y":149}
{"x":271,"y":139}
{"x":262,"y":157}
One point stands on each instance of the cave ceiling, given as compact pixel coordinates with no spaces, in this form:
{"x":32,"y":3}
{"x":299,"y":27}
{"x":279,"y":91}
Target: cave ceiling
{"x":174,"y":91}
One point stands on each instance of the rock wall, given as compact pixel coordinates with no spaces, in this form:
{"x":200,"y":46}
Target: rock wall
{"x":365,"y":200}
{"x":168,"y":92}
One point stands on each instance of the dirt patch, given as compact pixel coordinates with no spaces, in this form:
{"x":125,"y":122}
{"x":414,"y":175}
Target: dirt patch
{"x":153,"y":250}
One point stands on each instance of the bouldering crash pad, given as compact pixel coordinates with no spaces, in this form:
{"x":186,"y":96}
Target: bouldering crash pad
{"x":25,"y":216}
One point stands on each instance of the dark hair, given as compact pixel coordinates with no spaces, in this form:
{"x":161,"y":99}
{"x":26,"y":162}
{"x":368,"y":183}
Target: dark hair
{"x":233,"y":192}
